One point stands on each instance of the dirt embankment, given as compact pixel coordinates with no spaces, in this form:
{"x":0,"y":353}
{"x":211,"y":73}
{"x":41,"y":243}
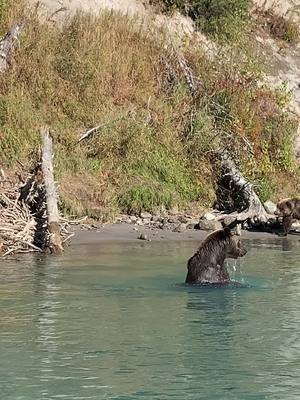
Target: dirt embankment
{"x":284,"y":61}
{"x":288,"y":8}
{"x":71,"y":6}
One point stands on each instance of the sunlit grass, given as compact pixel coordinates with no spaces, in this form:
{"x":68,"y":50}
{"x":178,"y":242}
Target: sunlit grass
{"x":157,"y":141}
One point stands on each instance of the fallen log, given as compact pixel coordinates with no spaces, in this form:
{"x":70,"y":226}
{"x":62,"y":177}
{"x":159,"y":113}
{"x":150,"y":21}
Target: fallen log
{"x":55,"y":240}
{"x":8,"y":44}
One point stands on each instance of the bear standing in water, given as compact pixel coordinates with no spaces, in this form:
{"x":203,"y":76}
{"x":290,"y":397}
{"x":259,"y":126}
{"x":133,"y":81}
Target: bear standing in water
{"x":207,"y":264}
{"x":289,"y":210}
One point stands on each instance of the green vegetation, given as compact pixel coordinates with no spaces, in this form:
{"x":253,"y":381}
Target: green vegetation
{"x":215,"y":17}
{"x":156,"y":147}
{"x":229,"y":19}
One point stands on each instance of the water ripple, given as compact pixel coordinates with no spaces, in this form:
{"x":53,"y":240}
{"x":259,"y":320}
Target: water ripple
{"x":117,"y":324}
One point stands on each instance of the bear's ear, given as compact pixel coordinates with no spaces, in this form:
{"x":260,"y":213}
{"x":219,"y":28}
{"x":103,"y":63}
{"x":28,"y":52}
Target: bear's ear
{"x":227,"y":231}
{"x":234,"y":228}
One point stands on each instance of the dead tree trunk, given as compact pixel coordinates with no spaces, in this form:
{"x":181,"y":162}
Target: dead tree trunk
{"x":55,"y":241}
{"x":250,"y":207}
{"x":7,"y":45}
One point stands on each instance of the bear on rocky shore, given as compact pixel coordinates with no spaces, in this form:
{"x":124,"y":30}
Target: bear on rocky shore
{"x":289,"y":210}
{"x":206,"y":266}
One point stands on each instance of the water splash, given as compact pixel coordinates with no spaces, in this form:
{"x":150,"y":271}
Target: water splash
{"x":235,"y":270}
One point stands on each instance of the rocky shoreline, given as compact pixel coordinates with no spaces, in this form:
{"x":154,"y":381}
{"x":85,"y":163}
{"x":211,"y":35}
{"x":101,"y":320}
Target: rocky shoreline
{"x":176,"y":221}
{"x":175,"y":226}
{"x":120,"y":232}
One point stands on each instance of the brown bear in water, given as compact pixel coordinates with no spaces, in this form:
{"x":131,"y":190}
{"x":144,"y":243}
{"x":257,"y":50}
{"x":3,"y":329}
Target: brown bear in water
{"x":289,"y":210}
{"x":207,"y":264}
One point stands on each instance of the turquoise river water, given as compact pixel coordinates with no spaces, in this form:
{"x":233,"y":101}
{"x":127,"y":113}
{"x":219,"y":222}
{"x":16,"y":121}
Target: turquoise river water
{"x":115,"y":321}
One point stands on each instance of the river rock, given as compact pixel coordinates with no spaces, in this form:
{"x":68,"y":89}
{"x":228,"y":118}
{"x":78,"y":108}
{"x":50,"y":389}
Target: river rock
{"x":166,"y":226}
{"x":296,"y":226}
{"x":208,"y":217}
{"x":180,"y":228}
{"x":143,"y":236}
{"x":146,"y":215}
{"x":133,"y":219}
{"x":192,"y":225}
{"x":270,"y":207}
{"x":183,"y":219}
{"x":206,"y":225}
{"x":173,"y":211}
{"x":156,"y":218}
{"x":229,"y":219}
{"x":127,"y":220}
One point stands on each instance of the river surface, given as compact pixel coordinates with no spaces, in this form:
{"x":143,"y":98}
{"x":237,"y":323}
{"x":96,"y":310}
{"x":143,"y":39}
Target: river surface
{"x":114,"y":321}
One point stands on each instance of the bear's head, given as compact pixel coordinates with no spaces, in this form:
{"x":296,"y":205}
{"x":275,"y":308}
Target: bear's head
{"x":233,"y":244}
{"x":284,"y":208}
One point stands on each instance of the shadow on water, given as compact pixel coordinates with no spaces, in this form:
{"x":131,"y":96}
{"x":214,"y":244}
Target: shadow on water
{"x":214,"y":311}
{"x":284,"y":243}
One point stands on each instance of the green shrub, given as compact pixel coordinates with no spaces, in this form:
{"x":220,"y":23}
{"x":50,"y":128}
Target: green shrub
{"x":216,"y":17}
{"x":265,"y":188}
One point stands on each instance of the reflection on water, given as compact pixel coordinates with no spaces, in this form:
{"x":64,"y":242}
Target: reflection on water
{"x":116,"y":322}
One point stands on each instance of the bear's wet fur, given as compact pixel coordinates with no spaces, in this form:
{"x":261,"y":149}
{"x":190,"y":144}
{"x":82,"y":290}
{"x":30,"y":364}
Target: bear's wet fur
{"x":206,"y":266}
{"x":289,"y":210}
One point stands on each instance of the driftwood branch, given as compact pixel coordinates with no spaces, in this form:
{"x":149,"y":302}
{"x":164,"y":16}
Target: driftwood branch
{"x":188,"y":73}
{"x":8,"y":44}
{"x":176,"y":57}
{"x":59,"y":10}
{"x":90,"y":132}
{"x":55,"y":242}
{"x":95,"y":129}
{"x":23,"y":213}
{"x":17,"y":225}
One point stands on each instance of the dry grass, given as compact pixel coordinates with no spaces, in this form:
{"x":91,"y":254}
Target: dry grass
{"x":278,"y":26}
{"x":156,"y":145}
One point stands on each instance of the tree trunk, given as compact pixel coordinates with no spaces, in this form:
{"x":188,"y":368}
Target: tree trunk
{"x":55,"y":241}
{"x":245,"y":202}
{"x":7,"y":45}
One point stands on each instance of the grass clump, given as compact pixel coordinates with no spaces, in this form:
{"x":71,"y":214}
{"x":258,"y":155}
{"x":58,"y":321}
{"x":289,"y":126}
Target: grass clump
{"x":214,"y":17}
{"x":278,"y":26}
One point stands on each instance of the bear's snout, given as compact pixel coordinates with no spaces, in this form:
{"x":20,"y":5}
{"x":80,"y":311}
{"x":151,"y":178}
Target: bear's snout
{"x":243,"y":252}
